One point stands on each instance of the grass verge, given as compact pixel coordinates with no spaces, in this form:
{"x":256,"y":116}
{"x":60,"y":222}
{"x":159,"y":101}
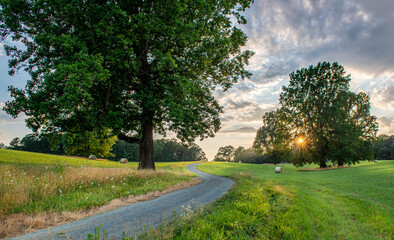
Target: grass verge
{"x":34,"y":184}
{"x":250,"y":210}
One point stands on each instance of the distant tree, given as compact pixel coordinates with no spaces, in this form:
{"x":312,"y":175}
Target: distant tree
{"x":237,"y":153}
{"x":272,"y":139}
{"x":2,"y":146}
{"x":15,"y":144}
{"x":195,"y":153}
{"x":171,"y":150}
{"x":136,"y":67}
{"x":123,"y":149}
{"x":35,"y":143}
{"x":384,"y":147}
{"x":87,"y":143}
{"x":318,"y":105}
{"x":248,"y":156}
{"x":225,"y":154}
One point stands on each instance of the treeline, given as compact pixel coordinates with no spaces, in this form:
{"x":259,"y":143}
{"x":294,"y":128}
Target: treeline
{"x":165,"y":150}
{"x":384,"y":147}
{"x":240,"y":154}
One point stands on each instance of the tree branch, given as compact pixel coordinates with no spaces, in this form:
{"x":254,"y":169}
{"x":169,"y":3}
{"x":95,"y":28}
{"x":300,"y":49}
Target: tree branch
{"x":129,"y":139}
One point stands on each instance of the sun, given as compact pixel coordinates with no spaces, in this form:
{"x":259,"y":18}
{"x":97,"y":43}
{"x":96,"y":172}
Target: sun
{"x":300,"y":140}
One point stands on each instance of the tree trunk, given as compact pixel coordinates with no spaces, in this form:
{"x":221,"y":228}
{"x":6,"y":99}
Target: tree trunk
{"x":323,"y":164}
{"x":340,"y":164}
{"x":146,"y":146}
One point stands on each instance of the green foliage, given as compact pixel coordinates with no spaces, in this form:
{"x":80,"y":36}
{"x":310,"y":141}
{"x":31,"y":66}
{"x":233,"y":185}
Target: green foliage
{"x":36,"y":143}
{"x":273,"y":139}
{"x":132,"y":66}
{"x":225,"y":153}
{"x":248,"y":156}
{"x":165,"y":150}
{"x":123,"y":149}
{"x":384,"y":147}
{"x":170,"y":150}
{"x":87,"y":143}
{"x":97,"y":234}
{"x":335,"y":123}
{"x":238,"y":153}
{"x":15,"y":144}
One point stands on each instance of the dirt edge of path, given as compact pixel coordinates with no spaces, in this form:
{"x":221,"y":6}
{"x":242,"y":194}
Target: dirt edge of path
{"x":321,"y":169}
{"x":20,"y":224}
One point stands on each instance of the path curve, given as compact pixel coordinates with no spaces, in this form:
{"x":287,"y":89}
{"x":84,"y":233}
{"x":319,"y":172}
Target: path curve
{"x":132,"y":218}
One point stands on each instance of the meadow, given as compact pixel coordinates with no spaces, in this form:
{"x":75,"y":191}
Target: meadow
{"x":348,"y":203}
{"x":34,"y":184}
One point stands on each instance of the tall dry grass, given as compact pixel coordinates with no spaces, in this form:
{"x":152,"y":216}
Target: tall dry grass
{"x":20,"y":185}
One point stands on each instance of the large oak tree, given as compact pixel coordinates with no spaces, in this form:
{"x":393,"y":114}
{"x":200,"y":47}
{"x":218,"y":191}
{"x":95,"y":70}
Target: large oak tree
{"x":133,"y":66}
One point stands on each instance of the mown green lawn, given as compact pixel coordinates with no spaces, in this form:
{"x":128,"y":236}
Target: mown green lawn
{"x":349,"y":203}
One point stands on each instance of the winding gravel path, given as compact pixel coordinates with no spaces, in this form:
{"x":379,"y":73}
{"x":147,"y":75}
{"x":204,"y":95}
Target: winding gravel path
{"x":132,"y":219}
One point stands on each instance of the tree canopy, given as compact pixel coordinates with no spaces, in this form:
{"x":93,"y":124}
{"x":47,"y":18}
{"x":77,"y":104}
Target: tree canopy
{"x":384,"y":147}
{"x":132,"y":66}
{"x":225,"y":153}
{"x":272,"y":139}
{"x":334,"y":123}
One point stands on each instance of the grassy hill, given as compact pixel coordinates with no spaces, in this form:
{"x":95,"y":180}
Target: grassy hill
{"x":34,"y":183}
{"x":349,"y":203}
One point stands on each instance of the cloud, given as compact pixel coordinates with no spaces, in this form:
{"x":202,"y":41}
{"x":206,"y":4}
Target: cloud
{"x":4,"y":137}
{"x":244,"y":111}
{"x":273,"y":70}
{"x":385,"y":124}
{"x":5,"y":118}
{"x":383,"y":97}
{"x":240,"y":130}
{"x":355,"y":33}
{"x":231,"y":105}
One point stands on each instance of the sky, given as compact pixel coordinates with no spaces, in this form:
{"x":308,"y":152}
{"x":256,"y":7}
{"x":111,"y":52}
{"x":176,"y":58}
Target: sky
{"x":286,"y":35}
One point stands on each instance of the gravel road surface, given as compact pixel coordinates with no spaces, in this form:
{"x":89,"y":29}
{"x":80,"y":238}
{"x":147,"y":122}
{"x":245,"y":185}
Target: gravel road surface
{"x":133,"y":218}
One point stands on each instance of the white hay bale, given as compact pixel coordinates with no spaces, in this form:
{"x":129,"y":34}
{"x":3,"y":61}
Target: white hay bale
{"x":278,"y":169}
{"x":124,"y":160}
{"x":92,"y":157}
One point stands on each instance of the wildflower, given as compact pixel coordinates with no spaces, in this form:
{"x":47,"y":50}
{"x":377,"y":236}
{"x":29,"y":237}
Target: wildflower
{"x":87,"y":197}
{"x":12,"y":181}
{"x":113,"y":186}
{"x":60,"y":191}
{"x":61,"y":176}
